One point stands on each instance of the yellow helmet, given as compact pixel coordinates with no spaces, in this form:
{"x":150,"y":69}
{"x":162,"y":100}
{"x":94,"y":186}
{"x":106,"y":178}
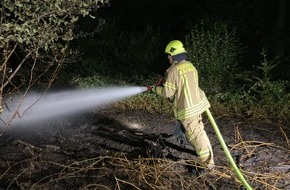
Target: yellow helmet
{"x":175,"y":47}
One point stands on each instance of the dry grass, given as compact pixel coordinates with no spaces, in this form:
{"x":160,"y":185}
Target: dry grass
{"x":123,"y":172}
{"x":120,"y":172}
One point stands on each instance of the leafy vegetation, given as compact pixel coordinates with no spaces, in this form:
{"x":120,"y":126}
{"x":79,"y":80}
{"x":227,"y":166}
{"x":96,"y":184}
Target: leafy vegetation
{"x":125,"y":56}
{"x":34,"y":40}
{"x":36,"y":48}
{"x":260,"y":96}
{"x":146,"y":101}
{"x":214,"y":49}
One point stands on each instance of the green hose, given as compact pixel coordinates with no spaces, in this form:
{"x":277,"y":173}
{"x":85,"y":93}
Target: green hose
{"x":227,"y":152}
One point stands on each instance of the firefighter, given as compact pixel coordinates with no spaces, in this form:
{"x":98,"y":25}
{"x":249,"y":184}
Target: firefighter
{"x":189,"y":101}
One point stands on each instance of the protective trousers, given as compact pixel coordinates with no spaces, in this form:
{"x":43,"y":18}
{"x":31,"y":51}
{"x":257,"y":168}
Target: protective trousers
{"x":196,"y":135}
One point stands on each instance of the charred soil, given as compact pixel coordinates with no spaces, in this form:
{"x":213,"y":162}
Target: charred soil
{"x":130,"y":149}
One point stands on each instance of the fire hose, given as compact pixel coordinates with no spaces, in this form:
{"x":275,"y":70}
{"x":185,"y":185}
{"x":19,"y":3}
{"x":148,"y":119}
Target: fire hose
{"x":225,"y":149}
{"x":227,"y":152}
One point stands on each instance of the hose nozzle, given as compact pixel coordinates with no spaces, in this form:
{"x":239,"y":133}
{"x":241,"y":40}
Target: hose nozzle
{"x":149,"y":88}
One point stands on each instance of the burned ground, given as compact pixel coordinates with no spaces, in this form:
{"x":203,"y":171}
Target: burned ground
{"x":125,"y":149}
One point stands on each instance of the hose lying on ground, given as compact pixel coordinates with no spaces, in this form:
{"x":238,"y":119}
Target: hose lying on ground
{"x":227,"y":152}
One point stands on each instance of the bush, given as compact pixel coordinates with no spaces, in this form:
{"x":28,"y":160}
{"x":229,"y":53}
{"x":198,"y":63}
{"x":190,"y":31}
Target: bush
{"x":261,"y":97}
{"x":147,"y":101}
{"x":34,"y":37}
{"x":131,"y":55}
{"x":96,"y":81}
{"x":214,"y":49}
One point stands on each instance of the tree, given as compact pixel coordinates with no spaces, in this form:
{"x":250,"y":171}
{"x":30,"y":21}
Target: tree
{"x":34,"y":39}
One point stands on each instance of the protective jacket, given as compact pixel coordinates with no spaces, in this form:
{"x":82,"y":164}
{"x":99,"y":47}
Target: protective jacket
{"x":182,"y":82}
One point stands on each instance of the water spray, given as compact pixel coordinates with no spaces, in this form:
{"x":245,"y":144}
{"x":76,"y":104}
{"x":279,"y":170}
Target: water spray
{"x":37,"y":107}
{"x":227,"y":152}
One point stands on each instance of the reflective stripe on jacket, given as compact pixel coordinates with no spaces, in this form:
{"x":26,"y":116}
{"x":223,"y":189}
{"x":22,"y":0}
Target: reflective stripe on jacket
{"x":182,"y":82}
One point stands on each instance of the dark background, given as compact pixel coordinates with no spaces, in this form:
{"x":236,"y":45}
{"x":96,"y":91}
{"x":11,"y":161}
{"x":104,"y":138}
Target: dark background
{"x":259,"y":23}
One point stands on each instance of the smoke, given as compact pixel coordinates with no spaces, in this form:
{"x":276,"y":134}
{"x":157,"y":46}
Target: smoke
{"x":42,"y":108}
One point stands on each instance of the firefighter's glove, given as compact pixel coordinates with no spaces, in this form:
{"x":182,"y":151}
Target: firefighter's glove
{"x":149,"y":88}
{"x":179,"y":133}
{"x":159,"y":82}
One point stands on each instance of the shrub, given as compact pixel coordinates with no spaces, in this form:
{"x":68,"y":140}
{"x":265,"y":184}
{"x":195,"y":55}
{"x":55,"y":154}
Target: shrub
{"x":96,"y":80}
{"x":214,"y":49}
{"x":34,"y":37}
{"x":260,"y":97}
{"x":147,"y":101}
{"x":132,"y":55}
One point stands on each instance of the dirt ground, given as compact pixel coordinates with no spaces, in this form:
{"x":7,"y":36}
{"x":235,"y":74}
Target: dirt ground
{"x":85,"y":153}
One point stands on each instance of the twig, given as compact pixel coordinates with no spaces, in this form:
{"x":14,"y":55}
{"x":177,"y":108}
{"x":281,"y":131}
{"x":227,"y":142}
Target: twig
{"x":283,"y":132}
{"x":117,"y":180}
